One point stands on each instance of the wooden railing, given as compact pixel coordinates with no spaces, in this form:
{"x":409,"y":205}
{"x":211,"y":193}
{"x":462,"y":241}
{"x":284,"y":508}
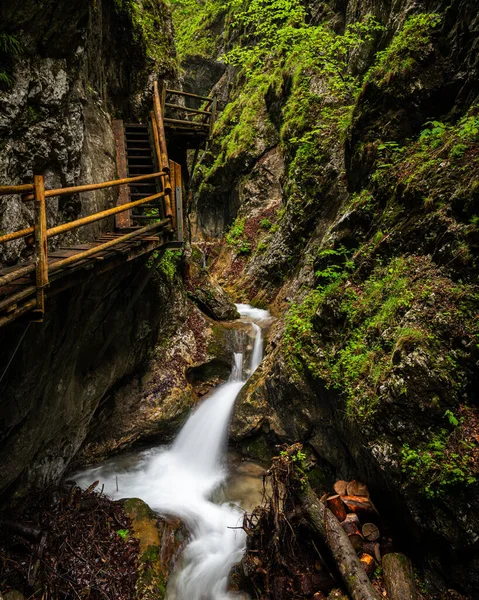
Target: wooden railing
{"x":203,"y":117}
{"x":39,"y":234}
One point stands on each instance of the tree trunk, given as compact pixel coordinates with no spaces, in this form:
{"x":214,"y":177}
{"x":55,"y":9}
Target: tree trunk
{"x":330,"y":530}
{"x":399,"y":577}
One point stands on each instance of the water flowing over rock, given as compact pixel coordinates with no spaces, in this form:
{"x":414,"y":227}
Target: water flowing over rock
{"x":180,"y":481}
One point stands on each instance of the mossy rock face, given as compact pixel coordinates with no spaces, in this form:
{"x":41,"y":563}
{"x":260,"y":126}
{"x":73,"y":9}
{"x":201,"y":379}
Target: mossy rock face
{"x":160,"y":542}
{"x":258,"y":448}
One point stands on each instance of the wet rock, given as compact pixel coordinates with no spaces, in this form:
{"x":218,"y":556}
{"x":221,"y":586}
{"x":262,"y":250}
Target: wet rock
{"x":203,"y":290}
{"x":161,"y":541}
{"x":192,"y":355}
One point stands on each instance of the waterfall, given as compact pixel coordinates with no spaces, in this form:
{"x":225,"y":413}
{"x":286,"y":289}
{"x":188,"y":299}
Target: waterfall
{"x":180,"y":482}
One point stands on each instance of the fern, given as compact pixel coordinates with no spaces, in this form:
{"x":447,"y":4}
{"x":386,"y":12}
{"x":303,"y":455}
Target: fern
{"x":9,"y":44}
{"x":6,"y":80}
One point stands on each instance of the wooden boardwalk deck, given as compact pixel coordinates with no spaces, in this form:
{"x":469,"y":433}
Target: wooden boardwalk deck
{"x":18,"y":296}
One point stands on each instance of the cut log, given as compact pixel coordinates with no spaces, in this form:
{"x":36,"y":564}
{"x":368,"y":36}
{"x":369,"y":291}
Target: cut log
{"x":370,"y":532}
{"x":354,"y":534}
{"x":368,"y":562}
{"x":359,"y":505}
{"x":340,"y":487}
{"x":356,"y":488}
{"x":399,"y":577}
{"x":329,"y":529}
{"x":373,"y":548}
{"x":353,"y":518}
{"x":386,"y":546}
{"x":336,"y":506}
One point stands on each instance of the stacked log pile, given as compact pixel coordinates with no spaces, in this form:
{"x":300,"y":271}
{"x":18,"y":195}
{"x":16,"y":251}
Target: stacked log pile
{"x":352,"y":506}
{"x":300,"y":546}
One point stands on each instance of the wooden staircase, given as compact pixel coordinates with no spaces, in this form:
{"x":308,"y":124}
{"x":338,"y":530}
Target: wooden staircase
{"x":140,"y":161}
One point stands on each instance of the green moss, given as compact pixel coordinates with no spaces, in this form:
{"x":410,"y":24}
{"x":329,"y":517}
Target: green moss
{"x":150,"y":554}
{"x":169,"y":262}
{"x":139,"y":509}
{"x":370,"y":333}
{"x":286,"y":47}
{"x":149,"y":20}
{"x":192,"y":22}
{"x":411,"y":45}
{"x":258,"y":448}
{"x":444,"y":461}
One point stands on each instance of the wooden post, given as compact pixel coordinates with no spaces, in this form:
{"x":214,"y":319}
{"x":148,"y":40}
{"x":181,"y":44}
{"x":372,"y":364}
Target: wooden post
{"x":178,"y":191}
{"x":41,"y":244}
{"x":163,"y":97}
{"x":213,"y":115}
{"x":173,"y":194}
{"x":159,"y":122}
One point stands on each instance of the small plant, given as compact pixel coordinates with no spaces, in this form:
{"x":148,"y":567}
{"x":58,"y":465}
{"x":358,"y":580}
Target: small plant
{"x":9,"y":48}
{"x":261,"y":247}
{"x":123,"y":533}
{"x":244,"y":247}
{"x":235,"y":232}
{"x":458,"y":151}
{"x":451,"y":418}
{"x":265,"y":224}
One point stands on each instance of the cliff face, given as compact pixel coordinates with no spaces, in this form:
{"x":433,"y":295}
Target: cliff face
{"x":344,"y":170}
{"x":68,"y":69}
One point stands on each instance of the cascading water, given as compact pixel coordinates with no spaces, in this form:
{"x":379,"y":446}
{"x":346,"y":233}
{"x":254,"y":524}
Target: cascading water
{"x":180,"y":482}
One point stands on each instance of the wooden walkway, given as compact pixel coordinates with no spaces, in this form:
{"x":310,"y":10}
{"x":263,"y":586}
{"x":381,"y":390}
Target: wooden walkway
{"x":152,"y":183}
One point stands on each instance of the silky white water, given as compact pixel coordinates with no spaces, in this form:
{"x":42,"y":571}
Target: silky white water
{"x":180,"y":481}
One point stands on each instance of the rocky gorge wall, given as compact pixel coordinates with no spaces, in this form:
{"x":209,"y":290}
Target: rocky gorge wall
{"x":346,"y":184}
{"x":67,"y":69}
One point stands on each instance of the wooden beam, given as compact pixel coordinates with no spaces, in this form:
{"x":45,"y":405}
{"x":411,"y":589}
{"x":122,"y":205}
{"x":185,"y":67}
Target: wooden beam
{"x":41,"y":245}
{"x":96,"y":186}
{"x":15,"y":189}
{"x":188,"y":95}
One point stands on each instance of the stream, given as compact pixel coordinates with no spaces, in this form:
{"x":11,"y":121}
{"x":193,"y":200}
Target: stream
{"x":187,"y":479}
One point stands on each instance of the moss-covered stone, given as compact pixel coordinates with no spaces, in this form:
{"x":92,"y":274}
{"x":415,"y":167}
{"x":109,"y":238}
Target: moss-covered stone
{"x":160,"y":542}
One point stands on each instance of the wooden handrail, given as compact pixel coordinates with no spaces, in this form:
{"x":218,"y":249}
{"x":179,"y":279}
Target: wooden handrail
{"x":180,"y":121}
{"x":101,"y":215}
{"x":91,"y":251}
{"x":15,"y":189}
{"x":189,"y":95}
{"x":96,"y":186}
{"x":21,"y":233}
{"x":188,"y":109}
